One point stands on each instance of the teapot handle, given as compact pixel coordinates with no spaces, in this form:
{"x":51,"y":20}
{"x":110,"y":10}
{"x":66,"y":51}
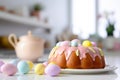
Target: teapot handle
{"x":12,"y":39}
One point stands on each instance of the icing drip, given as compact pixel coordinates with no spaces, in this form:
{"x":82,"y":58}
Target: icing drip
{"x":60,"y":50}
{"x":92,"y":51}
{"x":69,"y":52}
{"x":52,"y":52}
{"x":77,"y":52}
{"x":83,"y":51}
{"x":101,"y":52}
{"x":91,"y":48}
{"x":97,"y":52}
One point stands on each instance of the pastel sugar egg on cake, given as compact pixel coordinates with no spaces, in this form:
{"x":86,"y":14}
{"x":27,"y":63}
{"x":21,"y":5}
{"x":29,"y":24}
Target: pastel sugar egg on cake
{"x":87,"y":43}
{"x":65,"y":43}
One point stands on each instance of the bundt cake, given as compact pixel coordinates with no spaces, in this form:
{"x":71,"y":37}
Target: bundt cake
{"x":74,"y":55}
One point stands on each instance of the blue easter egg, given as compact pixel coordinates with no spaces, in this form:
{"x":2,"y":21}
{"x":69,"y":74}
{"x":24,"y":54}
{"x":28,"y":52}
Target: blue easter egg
{"x":74,"y":43}
{"x":15,"y":61}
{"x":23,"y":67}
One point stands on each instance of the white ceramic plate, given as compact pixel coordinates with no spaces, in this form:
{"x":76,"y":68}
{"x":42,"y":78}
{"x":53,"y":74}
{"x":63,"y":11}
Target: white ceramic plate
{"x":87,"y":71}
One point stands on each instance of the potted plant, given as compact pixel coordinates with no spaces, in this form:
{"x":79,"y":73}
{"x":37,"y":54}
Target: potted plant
{"x":36,"y":10}
{"x":110,"y":21}
{"x":110,"y":35}
{"x":110,"y":29}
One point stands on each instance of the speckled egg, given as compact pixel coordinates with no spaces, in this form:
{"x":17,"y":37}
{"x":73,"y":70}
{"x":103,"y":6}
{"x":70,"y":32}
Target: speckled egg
{"x":39,"y":69}
{"x":1,"y":63}
{"x":9,"y":69}
{"x":52,"y":70}
{"x":15,"y":61}
{"x":23,"y":67}
{"x":31,"y":65}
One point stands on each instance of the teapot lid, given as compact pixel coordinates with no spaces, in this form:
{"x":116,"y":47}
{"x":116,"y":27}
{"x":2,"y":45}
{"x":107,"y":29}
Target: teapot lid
{"x":29,"y":36}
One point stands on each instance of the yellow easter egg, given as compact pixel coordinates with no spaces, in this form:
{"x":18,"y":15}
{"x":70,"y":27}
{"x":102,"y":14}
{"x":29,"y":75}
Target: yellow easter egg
{"x":39,"y":69}
{"x":87,"y":43}
{"x":30,"y":64}
{"x":51,"y":63}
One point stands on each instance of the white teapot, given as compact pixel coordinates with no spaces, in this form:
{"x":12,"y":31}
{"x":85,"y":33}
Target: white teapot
{"x":28,"y":47}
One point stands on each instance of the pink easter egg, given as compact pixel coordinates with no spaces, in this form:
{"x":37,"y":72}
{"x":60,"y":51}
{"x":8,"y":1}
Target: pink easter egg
{"x":45,"y":63}
{"x":65,"y":43}
{"x":1,"y":63}
{"x":9,"y":69}
{"x":94,"y":44}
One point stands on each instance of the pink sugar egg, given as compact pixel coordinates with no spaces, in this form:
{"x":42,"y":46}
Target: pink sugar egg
{"x":9,"y":69}
{"x":45,"y":63}
{"x":65,"y":43}
{"x":94,"y":44}
{"x":52,"y":70}
{"x":1,"y":63}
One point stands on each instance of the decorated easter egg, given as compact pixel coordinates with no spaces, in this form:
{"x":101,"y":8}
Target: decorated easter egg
{"x":58,"y":44}
{"x":94,"y":44}
{"x":1,"y":63}
{"x":79,"y":44}
{"x":52,"y":70}
{"x":76,"y":40}
{"x":39,"y":69}
{"x":23,"y":67}
{"x":73,"y":43}
{"x":31,"y":65}
{"x":15,"y":61}
{"x":65,"y":43}
{"x":45,"y":63}
{"x":9,"y":69}
{"x":87,"y":43}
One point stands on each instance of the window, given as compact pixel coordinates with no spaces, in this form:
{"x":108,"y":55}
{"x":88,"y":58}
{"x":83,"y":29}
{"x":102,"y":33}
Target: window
{"x":84,"y":17}
{"x":112,"y":7}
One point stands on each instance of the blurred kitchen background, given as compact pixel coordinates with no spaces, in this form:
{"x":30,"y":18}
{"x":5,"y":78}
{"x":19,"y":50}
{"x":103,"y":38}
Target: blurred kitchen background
{"x":58,"y":20}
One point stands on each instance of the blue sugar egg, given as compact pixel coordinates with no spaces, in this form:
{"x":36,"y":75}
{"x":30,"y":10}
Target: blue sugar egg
{"x":74,"y":43}
{"x":23,"y":67}
{"x":15,"y":61}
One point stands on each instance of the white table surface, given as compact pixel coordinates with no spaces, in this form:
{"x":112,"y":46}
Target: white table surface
{"x":112,"y":58}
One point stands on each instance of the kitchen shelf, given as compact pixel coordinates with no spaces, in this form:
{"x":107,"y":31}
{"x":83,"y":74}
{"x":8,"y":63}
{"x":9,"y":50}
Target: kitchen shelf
{"x":23,"y":20}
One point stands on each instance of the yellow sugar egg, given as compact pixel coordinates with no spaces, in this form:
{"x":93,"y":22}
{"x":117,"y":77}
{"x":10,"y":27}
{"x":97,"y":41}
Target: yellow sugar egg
{"x":87,"y":43}
{"x":39,"y":69}
{"x":51,"y":63}
{"x":31,"y":65}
